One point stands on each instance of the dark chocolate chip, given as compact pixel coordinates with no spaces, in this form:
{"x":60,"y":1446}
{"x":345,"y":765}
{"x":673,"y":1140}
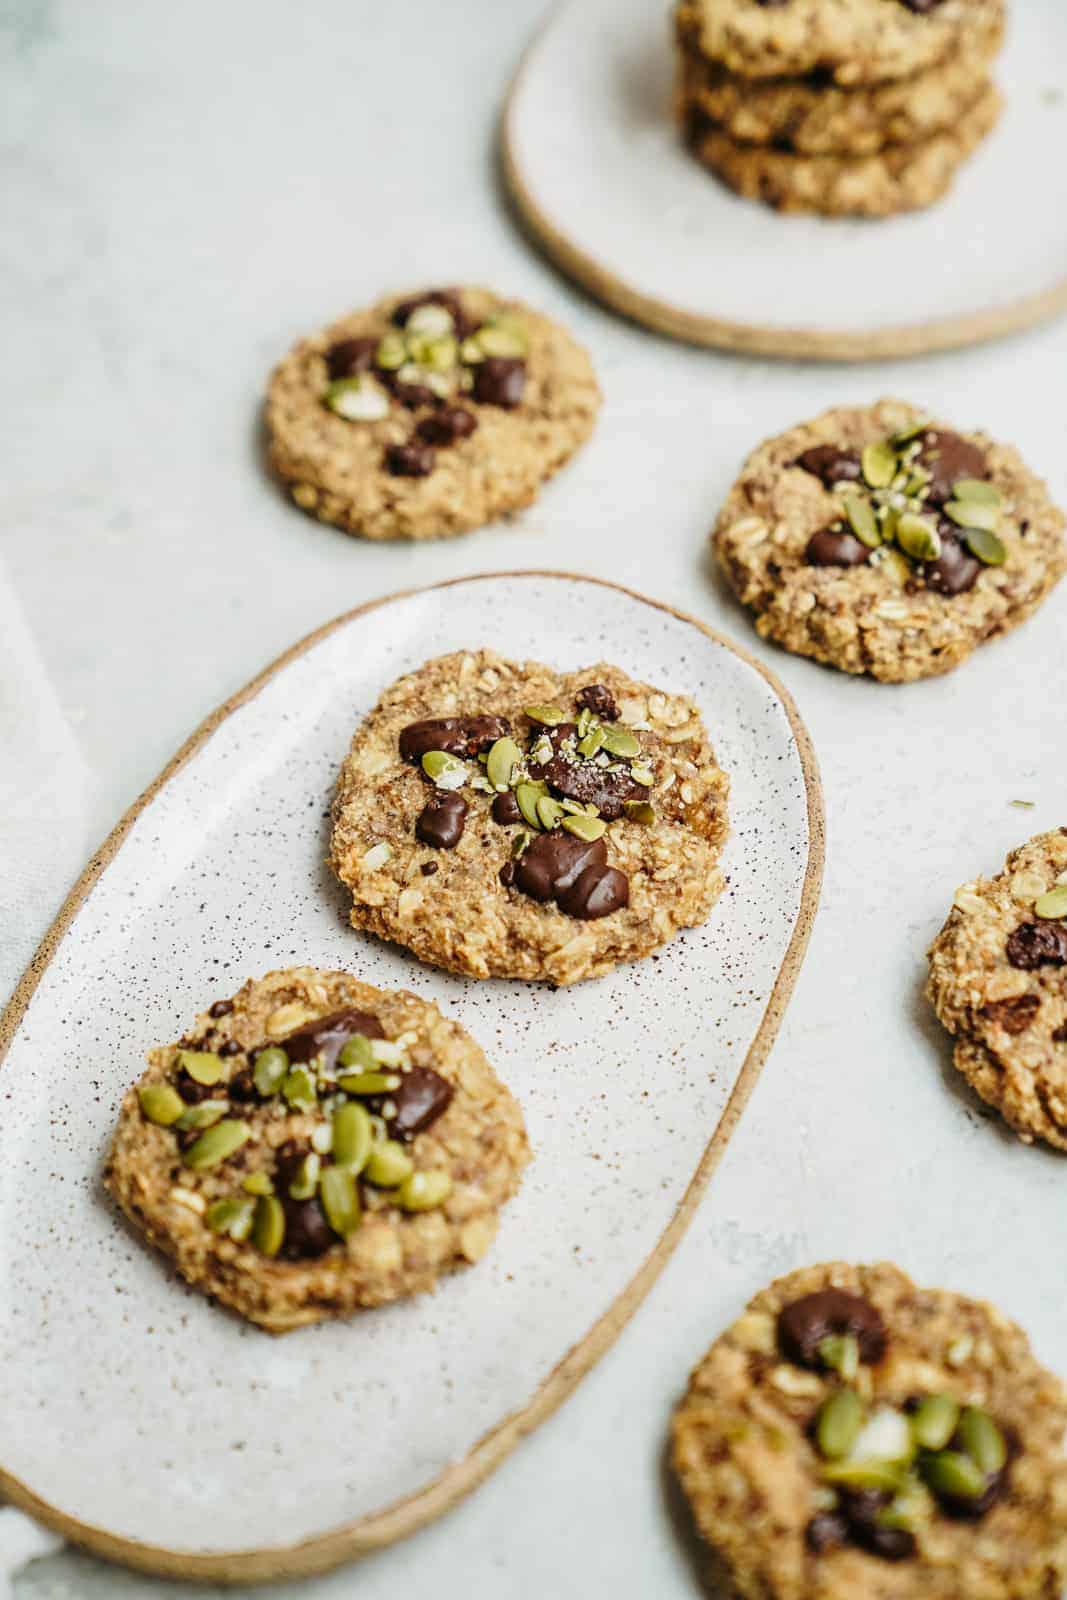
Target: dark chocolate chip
{"x":598,"y":698}
{"x":597,"y":892}
{"x":507,"y":874}
{"x":442,"y":821}
{"x":412,"y":395}
{"x":307,"y":1233}
{"x":922,"y":7}
{"x":804,"y":1325}
{"x":413,"y":460}
{"x":505,"y":809}
{"x":826,"y":1531}
{"x":500,"y":381}
{"x":892,"y":1544}
{"x":221,"y":1008}
{"x":1015,"y":1014}
{"x":242,"y":1086}
{"x":948,"y":457}
{"x":576,"y":778}
{"x":192,"y":1092}
{"x":1038,"y":944}
{"x":456,"y":736}
{"x":955,"y":570}
{"x":428,"y":868}
{"x":326,"y":1037}
{"x":229,"y":1047}
{"x":447,"y":425}
{"x":830,"y":465}
{"x":422,"y":1097}
{"x":574,"y":873}
{"x":348,"y":357}
{"x":1060,"y":1035}
{"x":836,"y":547}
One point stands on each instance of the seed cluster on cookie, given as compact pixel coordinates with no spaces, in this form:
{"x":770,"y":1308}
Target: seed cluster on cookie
{"x":866,"y":109}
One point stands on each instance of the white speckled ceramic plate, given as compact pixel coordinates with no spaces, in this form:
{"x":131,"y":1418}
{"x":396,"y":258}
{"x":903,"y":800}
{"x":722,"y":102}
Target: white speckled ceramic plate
{"x":162,"y":1431}
{"x":598,"y":171}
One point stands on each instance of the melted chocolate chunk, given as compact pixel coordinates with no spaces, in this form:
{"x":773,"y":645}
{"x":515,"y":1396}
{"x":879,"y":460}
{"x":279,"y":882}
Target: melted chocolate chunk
{"x":221,"y":1008}
{"x":307,"y":1233}
{"x":576,"y":778}
{"x":229,"y":1047}
{"x":830,"y":465}
{"x":328,"y":1036}
{"x":447,"y":425}
{"x":1038,"y":944}
{"x":948,"y":457}
{"x":428,"y":868}
{"x":574,"y":873}
{"x":456,"y":736}
{"x":422,"y":1097}
{"x":804,"y":1325}
{"x":505,"y":809}
{"x":955,"y":570}
{"x":242,"y":1086}
{"x":449,"y":298}
{"x":1014,"y":1015}
{"x":412,"y":460}
{"x":348,"y":357}
{"x":922,"y":7}
{"x":597,"y":892}
{"x":500,"y":381}
{"x":192,"y":1092}
{"x":412,"y":395}
{"x":826,"y":1531}
{"x":836,"y":547}
{"x":598,"y":699}
{"x":507,"y":874}
{"x":442,"y":821}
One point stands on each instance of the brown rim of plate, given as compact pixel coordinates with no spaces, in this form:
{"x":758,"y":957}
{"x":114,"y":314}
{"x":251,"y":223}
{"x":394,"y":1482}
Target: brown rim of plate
{"x":322,"y":1552}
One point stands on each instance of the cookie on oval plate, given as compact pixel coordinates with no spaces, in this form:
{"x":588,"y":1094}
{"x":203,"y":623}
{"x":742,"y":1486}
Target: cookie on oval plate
{"x":879,"y":541}
{"x":502,"y":819}
{"x":428,"y":414}
{"x":315,"y":1146}
{"x":998,"y":982}
{"x":852,"y":1435}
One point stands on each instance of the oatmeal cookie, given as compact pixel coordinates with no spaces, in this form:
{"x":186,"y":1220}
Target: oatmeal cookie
{"x":315,"y":1146}
{"x":899,"y":177}
{"x":846,"y":41}
{"x":998,"y":982}
{"x":429,"y":414}
{"x":853,"y":1435}
{"x":502,"y":819}
{"x":880,"y":542}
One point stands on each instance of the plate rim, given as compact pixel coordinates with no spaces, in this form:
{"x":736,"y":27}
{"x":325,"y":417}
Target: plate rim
{"x":894,"y":342}
{"x":322,"y":1552}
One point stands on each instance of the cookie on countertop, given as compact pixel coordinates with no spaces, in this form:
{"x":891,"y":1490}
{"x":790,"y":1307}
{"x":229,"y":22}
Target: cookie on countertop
{"x":316,"y":1146}
{"x":898,"y":177}
{"x":852,"y":1435}
{"x":878,"y":541}
{"x":846,"y":41}
{"x":502,"y":819}
{"x":998,"y":982}
{"x":428,"y":415}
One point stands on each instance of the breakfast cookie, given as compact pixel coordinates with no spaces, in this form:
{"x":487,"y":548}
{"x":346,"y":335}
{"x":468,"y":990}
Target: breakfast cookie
{"x":810,"y":117}
{"x":316,"y":1146}
{"x":851,"y":1435}
{"x":899,"y":177}
{"x":847,"y":41}
{"x":502,"y":819}
{"x":998,"y":982}
{"x":877,"y":541}
{"x":428,"y":415}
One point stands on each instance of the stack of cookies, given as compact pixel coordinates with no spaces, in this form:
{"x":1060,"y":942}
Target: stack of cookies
{"x":863,"y":108}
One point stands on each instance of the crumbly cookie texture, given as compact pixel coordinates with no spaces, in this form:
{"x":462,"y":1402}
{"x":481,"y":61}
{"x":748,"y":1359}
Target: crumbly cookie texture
{"x":998,"y":981}
{"x":424,"y":434}
{"x":656,"y":842}
{"x":899,"y":177}
{"x":881,"y":615}
{"x":763,"y":1446}
{"x":415,"y":1183}
{"x":851,"y":41}
{"x":813,"y":118}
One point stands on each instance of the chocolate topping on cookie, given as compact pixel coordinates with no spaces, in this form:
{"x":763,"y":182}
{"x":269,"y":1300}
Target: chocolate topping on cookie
{"x":949,"y":457}
{"x":505,"y":809}
{"x":457,"y":736}
{"x":444,"y":427}
{"x":807,"y":1323}
{"x":500,"y":381}
{"x":324,"y":1040}
{"x":1038,"y":944}
{"x":1015,"y":1014}
{"x":349,"y":357}
{"x":574,"y":873}
{"x":830,"y":464}
{"x":608,"y":787}
{"x":836,"y":547}
{"x":422,"y":1097}
{"x":955,"y":570}
{"x":442,"y":820}
{"x":599,"y":700}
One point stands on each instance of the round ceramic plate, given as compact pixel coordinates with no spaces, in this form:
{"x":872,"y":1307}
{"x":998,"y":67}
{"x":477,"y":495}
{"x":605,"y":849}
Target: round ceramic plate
{"x":150,"y":1425}
{"x":598,"y":171}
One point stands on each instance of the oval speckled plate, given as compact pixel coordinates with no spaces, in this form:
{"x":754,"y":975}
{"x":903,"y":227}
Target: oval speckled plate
{"x":598,"y":172}
{"x":158,"y":1430}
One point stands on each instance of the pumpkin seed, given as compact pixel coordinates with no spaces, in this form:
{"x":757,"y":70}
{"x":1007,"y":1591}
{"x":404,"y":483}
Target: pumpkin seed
{"x":879,"y":465}
{"x":982,"y":1440}
{"x":257,"y":1183}
{"x":446,"y":771}
{"x":526,"y":797}
{"x":431,"y":321}
{"x":424,"y":1191}
{"x":977,"y":489}
{"x":356,"y":1052}
{"x":204,"y":1115}
{"x":585,"y":827}
{"x":203,"y":1066}
{"x":865,"y":1475}
{"x":909,"y":1509}
{"x":641,"y":811}
{"x":501,"y":341}
{"x":471,"y":351}
{"x":340,"y":1200}
{"x":918,"y":538}
{"x":305,"y":1178}
{"x":504,"y":757}
{"x":271,"y":1066}
{"x":906,"y":435}
{"x":388,"y":1164}
{"x":933,"y":1422}
{"x":643,"y":775}
{"x":986,"y":546}
{"x":298,"y":1089}
{"x":595,"y":740}
{"x":620,"y":742}
{"x":368,"y":1082}
{"x":549,"y":812}
{"x":217,"y":1144}
{"x":232,"y":1216}
{"x":839,"y":1423}
{"x":547,"y":716}
{"x":974,"y":514}
{"x":841,"y":1353}
{"x":521,"y":843}
{"x":268,"y":1225}
{"x":862,"y":521}
{"x":1053,"y":904}
{"x":952,"y":1473}
{"x":359,"y":399}
{"x":352,"y":1137}
{"x":392,"y":352}
{"x":160,"y":1104}
{"x":585,"y":722}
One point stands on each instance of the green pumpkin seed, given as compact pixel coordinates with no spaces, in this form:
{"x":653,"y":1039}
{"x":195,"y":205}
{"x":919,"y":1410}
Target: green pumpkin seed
{"x":1054,"y":904}
{"x":368,"y":1082}
{"x":269,"y":1071}
{"x":950,"y":1472}
{"x":974,"y":514}
{"x":504,"y":757}
{"x":203,"y":1066}
{"x":440,"y":355}
{"x":257,"y":1183}
{"x":549,"y":812}
{"x":585,"y":827}
{"x":340,"y":1200}
{"x":298,"y":1089}
{"x":357,"y":1053}
{"x":862,"y":521}
{"x":268,"y":1225}
{"x":203,"y":1115}
{"x":305,"y":1178}
{"x":232,"y":1216}
{"x":643,"y":775}
{"x":388,"y":1165}
{"x":574,"y":808}
{"x":446,"y":771}
{"x":982,"y":1440}
{"x":431,"y":321}
{"x":547,"y":716}
{"x":841,"y":1353}
{"x":909,"y":1509}
{"x":879,"y":465}
{"x":352,"y":1136}
{"x":501,"y":341}
{"x":585,"y":722}
{"x":838,"y":1424}
{"x":640,"y":811}
{"x":621,"y":742}
{"x":865,"y":1475}
{"x":424,"y":1191}
{"x":918,"y":538}
{"x":933,"y":1422}
{"x":217,"y":1144}
{"x":526,"y":797}
{"x":594,"y":741}
{"x":906,"y":435}
{"x":392,"y":352}
{"x":977,"y":489}
{"x":160,"y":1103}
{"x":989,"y":549}
{"x":521,"y":843}
{"x":471,"y":351}
{"x":359,"y":399}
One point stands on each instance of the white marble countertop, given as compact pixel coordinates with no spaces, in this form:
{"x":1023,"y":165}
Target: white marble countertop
{"x":188,"y":188}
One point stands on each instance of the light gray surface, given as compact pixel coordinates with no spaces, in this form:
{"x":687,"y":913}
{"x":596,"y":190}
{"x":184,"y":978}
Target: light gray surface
{"x":187,"y":188}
